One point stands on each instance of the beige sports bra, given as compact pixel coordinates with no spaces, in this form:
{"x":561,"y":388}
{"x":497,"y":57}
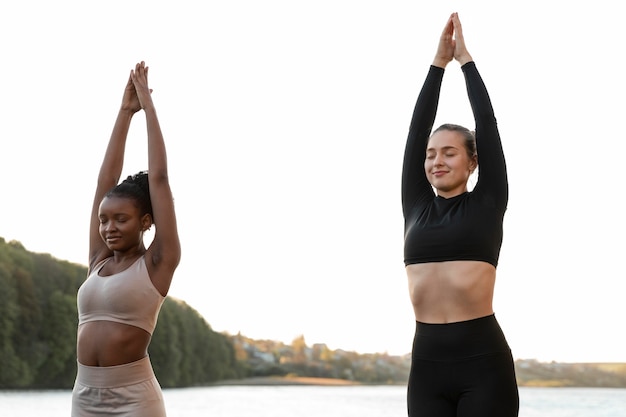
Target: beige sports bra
{"x":128,"y":297}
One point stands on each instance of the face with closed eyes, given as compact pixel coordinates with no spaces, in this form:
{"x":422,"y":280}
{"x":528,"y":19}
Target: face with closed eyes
{"x":448,"y":165}
{"x":121,"y":223}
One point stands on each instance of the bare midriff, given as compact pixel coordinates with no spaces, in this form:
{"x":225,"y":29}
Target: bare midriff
{"x":108,"y":343}
{"x":452,"y":291}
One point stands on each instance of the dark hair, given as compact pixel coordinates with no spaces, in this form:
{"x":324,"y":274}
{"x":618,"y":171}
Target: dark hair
{"x":136,"y":188}
{"x":468,"y":135}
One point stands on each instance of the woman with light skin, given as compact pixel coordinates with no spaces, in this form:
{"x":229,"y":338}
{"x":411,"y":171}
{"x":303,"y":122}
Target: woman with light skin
{"x":461,"y":362}
{"x":119,"y":303}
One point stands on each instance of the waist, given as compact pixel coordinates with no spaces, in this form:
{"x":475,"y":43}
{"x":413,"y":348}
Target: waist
{"x":107,"y":343}
{"x":459,"y":340}
{"x":451,"y":291}
{"x":115,"y":376}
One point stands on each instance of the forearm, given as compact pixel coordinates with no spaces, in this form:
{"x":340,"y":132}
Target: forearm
{"x":111,"y":168}
{"x":157,"y":156}
{"x":477,"y":94}
{"x":426,"y":106}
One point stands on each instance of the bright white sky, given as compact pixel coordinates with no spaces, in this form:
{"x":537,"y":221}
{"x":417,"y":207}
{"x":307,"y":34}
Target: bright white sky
{"x":285,"y":123}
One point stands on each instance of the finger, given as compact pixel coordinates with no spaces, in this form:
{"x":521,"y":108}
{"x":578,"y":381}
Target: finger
{"x":458,"y":29}
{"x":144,"y":72}
{"x":448,"y":30}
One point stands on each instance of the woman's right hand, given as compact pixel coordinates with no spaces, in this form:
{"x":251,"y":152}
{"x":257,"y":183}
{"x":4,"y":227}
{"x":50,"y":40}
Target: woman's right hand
{"x":446,"y":47}
{"x":130,"y":101}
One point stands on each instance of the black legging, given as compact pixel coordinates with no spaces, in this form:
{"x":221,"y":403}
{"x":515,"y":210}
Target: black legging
{"x":462,"y":369}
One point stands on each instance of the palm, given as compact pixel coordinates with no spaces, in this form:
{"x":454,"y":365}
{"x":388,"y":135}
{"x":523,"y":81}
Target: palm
{"x":447,"y":44}
{"x":130,"y":101}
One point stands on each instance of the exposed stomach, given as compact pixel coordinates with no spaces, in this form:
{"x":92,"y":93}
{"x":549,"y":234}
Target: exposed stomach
{"x":452,"y":291}
{"x":107,"y":343}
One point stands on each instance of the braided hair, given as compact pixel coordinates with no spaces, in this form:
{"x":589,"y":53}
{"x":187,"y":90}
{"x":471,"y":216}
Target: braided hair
{"x":136,"y":188}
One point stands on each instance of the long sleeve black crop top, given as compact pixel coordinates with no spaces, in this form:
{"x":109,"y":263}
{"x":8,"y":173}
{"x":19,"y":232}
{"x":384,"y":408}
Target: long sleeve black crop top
{"x":467,"y":226}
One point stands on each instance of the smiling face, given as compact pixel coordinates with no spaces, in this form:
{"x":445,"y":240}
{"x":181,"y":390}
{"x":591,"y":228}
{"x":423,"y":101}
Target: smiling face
{"x":448,"y":165}
{"x":121,"y":223}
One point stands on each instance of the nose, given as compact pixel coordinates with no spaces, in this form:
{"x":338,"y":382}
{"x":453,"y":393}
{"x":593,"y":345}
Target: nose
{"x":109,"y":226}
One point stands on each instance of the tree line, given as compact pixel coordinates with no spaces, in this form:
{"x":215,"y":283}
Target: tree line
{"x":39,"y":318}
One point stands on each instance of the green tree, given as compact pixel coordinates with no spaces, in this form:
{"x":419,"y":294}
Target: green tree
{"x":12,"y":368}
{"x":165,"y":347}
{"x":59,"y":334}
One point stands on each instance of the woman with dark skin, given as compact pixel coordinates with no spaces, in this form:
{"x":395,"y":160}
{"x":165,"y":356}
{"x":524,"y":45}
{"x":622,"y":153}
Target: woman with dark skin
{"x":127,"y":282}
{"x":461,"y":362}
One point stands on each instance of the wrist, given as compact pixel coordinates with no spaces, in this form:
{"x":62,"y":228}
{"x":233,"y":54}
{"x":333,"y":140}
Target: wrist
{"x":149,"y":112}
{"x":127,"y":111}
{"x":464,"y":59}
{"x":441,"y":63}
{"x":148,"y":107}
{"x":146,"y":103}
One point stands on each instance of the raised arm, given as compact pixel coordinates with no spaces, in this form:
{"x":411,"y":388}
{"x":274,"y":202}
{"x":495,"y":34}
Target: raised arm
{"x":163,"y":255}
{"x":111,"y":170}
{"x":492,"y":174}
{"x":415,"y":185}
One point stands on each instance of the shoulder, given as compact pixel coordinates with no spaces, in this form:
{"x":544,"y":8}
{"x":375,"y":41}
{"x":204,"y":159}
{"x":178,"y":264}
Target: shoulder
{"x":96,"y":264}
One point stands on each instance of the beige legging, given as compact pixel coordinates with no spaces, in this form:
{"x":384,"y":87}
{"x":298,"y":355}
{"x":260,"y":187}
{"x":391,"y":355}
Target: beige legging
{"x":124,"y":391}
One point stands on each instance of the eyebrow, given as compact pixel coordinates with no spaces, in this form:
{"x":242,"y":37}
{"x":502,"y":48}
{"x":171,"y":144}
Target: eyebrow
{"x":114,"y":215}
{"x":443,"y":148}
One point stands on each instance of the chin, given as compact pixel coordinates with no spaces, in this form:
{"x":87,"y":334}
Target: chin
{"x":442,"y":188}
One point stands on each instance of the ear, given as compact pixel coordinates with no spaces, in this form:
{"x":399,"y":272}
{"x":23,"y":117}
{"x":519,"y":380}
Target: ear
{"x":473,"y":164}
{"x":146,"y":222}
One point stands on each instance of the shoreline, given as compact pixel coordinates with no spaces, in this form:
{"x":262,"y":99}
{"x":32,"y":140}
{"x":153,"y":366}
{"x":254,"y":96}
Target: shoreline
{"x":287,"y":381}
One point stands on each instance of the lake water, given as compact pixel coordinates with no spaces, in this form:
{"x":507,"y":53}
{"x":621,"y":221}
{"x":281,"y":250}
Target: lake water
{"x":319,"y":401}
